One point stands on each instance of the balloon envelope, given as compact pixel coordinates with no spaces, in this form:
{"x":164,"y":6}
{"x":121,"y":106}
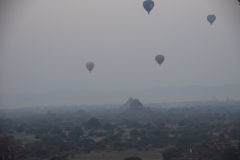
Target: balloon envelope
{"x":148,"y":5}
{"x":159,"y":59}
{"x":90,"y":66}
{"x":211,"y":18}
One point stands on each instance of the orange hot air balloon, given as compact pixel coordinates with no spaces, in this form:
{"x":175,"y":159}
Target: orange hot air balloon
{"x":90,"y":66}
{"x":159,"y":59}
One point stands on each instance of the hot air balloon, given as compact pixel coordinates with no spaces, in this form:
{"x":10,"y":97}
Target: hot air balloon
{"x":159,"y":59}
{"x":211,"y":18}
{"x":90,"y":66}
{"x":148,"y":5}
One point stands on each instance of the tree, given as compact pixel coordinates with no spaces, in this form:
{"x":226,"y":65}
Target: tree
{"x":157,"y":141}
{"x":68,"y":128}
{"x":100,"y":145}
{"x":108,"y":127}
{"x":88,"y":145}
{"x":63,"y":135}
{"x":134,"y":133}
{"x":59,"y":158}
{"x":37,"y":136}
{"x":229,"y":154}
{"x":46,"y":129}
{"x":135,"y":125}
{"x":102,"y":134}
{"x":142,"y":133}
{"x":112,"y":138}
{"x":181,"y":123}
{"x":56,"y":130}
{"x":53,"y":140}
{"x":93,"y":123}
{"x":120,"y":130}
{"x":183,"y":144}
{"x":170,"y":153}
{"x":234,"y":134}
{"x":155,"y":132}
{"x":92,"y":132}
{"x":19,"y":129}
{"x":78,"y":131}
{"x":30,"y":131}
{"x":120,"y":146}
{"x":142,"y":144}
{"x":14,"y":141}
{"x":35,"y":148}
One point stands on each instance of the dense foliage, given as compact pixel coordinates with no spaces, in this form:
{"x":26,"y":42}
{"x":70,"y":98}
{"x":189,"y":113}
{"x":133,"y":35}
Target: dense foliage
{"x":70,"y":130}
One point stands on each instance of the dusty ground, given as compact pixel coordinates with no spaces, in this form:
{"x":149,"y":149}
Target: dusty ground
{"x":25,"y":138}
{"x":150,"y":155}
{"x":145,"y":155}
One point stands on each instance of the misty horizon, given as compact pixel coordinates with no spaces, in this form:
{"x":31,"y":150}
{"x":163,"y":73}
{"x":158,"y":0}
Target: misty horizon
{"x":102,"y":97}
{"x":45,"y":47}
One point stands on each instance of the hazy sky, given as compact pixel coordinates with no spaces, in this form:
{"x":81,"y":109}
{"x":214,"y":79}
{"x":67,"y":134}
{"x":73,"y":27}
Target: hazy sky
{"x":45,"y":44}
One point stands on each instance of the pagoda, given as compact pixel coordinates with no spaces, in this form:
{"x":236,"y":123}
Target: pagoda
{"x":222,"y":142}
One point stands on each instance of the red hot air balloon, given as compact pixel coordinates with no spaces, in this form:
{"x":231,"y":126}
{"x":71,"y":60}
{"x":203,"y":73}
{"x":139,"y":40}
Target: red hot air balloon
{"x":90,"y":66}
{"x":159,"y":59}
